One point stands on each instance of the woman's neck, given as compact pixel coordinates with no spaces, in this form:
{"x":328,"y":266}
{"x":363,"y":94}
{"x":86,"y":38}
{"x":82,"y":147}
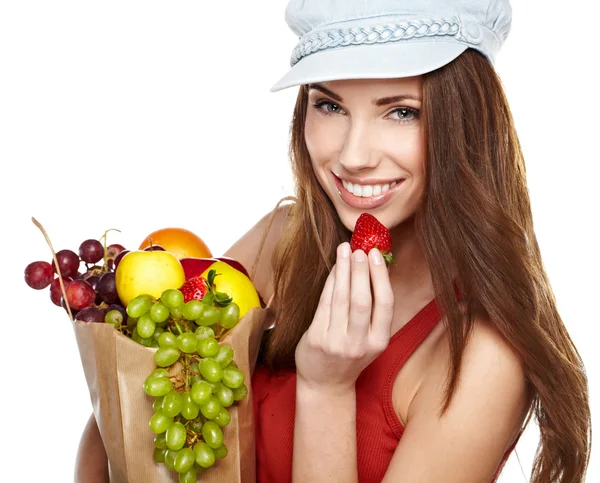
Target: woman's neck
{"x":410,"y":275}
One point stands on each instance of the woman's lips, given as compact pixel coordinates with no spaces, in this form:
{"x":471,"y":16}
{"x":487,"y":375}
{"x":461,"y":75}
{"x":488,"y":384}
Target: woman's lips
{"x":364,"y":203}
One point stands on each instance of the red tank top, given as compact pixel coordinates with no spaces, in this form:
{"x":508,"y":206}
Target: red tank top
{"x":378,"y":429}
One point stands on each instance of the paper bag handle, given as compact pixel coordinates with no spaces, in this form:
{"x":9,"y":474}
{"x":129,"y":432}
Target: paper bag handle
{"x":60,"y":278}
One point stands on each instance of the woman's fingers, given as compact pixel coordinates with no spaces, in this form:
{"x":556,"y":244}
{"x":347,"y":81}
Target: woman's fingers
{"x":323,"y":313}
{"x":383,"y":300}
{"x":340,"y":304}
{"x":359,"y":318}
{"x":357,"y":303}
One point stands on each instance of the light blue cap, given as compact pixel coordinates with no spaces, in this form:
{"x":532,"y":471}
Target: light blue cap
{"x":359,"y":39}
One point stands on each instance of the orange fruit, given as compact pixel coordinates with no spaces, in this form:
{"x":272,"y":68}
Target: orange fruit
{"x":180,"y":242}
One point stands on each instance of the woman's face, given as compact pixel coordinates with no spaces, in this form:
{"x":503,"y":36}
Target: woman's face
{"x":366,"y":144}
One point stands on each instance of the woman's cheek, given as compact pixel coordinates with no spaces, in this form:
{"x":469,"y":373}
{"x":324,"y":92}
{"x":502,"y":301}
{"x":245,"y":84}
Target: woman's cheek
{"x":314,"y":135}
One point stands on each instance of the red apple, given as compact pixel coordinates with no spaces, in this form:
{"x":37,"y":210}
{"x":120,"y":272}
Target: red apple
{"x":194,"y":267}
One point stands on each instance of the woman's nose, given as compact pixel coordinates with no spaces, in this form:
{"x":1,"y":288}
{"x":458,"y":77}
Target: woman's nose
{"x":358,"y":152}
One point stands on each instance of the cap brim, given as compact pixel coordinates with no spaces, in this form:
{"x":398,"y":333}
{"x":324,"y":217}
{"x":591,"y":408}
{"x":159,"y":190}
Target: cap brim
{"x":377,"y":61}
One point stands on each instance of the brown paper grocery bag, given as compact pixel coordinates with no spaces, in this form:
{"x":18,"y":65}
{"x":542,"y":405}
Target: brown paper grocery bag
{"x":115,"y":368}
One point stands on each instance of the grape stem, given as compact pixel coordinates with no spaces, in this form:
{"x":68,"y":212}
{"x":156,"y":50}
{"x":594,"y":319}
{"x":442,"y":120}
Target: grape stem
{"x":192,"y":439}
{"x":187,"y":368}
{"x":103,"y":237}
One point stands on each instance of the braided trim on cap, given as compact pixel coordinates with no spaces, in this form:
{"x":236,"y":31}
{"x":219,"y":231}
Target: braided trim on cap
{"x":377,"y":34}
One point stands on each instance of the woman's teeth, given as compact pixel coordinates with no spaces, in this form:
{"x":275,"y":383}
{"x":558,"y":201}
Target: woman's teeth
{"x":367,"y":191}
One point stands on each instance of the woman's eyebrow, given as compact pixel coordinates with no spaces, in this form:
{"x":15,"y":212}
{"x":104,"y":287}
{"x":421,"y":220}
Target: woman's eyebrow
{"x":377,"y":102}
{"x":326,"y":91}
{"x":390,"y":100}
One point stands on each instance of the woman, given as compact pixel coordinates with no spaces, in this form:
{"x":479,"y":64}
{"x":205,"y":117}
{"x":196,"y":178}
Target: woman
{"x":427,"y":370}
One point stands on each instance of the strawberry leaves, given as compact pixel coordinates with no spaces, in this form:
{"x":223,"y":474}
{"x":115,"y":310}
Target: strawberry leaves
{"x":220,"y":298}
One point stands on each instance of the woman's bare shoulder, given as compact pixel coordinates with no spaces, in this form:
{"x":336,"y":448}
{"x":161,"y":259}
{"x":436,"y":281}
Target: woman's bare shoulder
{"x":246,"y":249}
{"x":486,"y":412}
{"x":491,"y":376}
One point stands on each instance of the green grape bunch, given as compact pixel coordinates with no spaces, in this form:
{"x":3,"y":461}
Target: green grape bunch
{"x":195,"y":384}
{"x":196,"y":380}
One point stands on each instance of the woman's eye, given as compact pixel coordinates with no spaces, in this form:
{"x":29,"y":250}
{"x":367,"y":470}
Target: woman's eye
{"x":405,"y":114}
{"x":328,"y":107}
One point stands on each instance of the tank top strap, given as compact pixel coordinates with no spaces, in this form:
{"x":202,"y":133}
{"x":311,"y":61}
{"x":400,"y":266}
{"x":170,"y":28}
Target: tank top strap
{"x":402,"y":344}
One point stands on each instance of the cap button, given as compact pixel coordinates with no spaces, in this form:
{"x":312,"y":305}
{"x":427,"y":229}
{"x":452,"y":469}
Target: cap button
{"x":472,"y":31}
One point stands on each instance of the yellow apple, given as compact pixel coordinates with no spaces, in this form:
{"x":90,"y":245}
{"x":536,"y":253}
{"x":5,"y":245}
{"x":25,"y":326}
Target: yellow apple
{"x":147,"y":272}
{"x":235,"y":284}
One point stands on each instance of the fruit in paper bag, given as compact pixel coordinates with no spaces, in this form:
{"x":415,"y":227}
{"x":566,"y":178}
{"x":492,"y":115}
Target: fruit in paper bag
{"x":180,"y":242}
{"x":147,"y":272}
{"x":197,"y":379}
{"x":234,"y":283}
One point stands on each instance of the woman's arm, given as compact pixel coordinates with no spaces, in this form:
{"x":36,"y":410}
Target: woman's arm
{"x":325,"y":435}
{"x":91,"y":465}
{"x":350,"y":329}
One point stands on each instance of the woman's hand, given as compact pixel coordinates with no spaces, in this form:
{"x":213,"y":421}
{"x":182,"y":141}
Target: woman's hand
{"x":352,"y":324}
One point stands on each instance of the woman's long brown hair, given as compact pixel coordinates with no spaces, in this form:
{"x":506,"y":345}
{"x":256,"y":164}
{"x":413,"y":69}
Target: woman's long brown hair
{"x":476,"y":229}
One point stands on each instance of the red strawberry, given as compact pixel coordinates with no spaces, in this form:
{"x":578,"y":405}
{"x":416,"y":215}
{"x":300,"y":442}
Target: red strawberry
{"x":370,"y":233}
{"x":194,"y":289}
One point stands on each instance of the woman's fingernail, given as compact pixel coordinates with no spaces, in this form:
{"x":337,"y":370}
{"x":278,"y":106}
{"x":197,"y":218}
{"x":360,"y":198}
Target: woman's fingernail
{"x":376,"y":257}
{"x":345,"y":250}
{"x":359,"y":256}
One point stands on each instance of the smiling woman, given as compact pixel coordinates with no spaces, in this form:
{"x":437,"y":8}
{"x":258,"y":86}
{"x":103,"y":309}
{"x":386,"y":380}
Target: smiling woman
{"x":440,"y":193}
{"x":376,"y":375}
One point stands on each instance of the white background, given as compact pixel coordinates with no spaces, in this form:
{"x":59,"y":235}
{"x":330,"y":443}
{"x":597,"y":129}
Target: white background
{"x":141,"y":115}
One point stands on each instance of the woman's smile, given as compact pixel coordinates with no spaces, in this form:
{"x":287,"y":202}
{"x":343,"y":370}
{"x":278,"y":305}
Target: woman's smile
{"x":366,"y":196}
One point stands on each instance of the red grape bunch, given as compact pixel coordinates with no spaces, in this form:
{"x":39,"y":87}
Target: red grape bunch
{"x":88,"y":276}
